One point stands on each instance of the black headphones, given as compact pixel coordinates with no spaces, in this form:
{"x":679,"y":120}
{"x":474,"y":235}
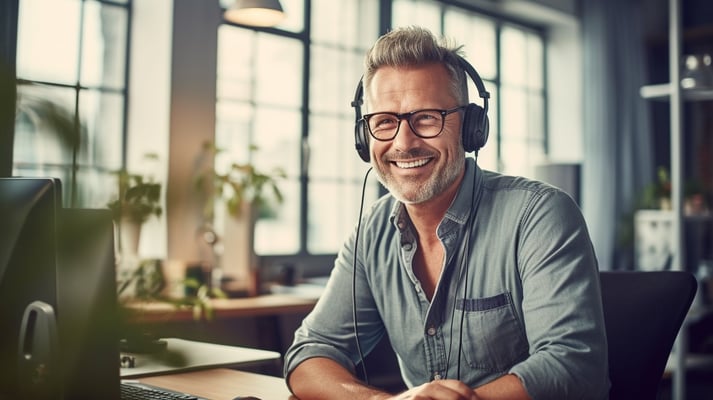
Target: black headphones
{"x":474,"y":130}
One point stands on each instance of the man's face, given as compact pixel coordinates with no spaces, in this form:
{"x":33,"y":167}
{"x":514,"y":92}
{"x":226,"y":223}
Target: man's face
{"x":415,"y":169}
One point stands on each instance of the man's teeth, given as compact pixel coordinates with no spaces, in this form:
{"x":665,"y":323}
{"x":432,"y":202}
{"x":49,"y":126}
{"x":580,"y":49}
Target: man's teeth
{"x":411,"y":164}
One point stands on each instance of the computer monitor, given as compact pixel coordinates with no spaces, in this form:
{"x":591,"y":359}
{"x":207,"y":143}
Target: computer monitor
{"x":28,"y":247}
{"x":58,"y":306}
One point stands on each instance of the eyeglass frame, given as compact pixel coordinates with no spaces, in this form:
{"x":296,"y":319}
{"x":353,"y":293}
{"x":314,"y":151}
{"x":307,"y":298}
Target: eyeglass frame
{"x":407,"y":117}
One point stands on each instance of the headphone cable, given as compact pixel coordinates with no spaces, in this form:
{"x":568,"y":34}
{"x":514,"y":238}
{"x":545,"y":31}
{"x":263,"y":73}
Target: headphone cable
{"x":354,"y":265}
{"x":471,"y":221}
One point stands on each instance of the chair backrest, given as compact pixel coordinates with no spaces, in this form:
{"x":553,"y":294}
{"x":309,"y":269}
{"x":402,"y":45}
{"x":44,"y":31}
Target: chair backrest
{"x":643,"y":312}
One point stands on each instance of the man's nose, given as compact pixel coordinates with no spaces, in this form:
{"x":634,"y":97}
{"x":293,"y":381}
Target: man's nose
{"x":405,"y":136}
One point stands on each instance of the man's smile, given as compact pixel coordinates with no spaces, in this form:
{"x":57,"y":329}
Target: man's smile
{"x":412,"y":164}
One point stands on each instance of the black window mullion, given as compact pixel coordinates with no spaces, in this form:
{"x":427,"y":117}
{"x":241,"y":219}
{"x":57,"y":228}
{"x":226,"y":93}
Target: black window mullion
{"x":304,"y":172}
{"x":8,"y":90}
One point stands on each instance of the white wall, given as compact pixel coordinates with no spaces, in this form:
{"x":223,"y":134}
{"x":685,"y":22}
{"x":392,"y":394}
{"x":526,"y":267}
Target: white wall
{"x":564,"y":77}
{"x":149,"y":105}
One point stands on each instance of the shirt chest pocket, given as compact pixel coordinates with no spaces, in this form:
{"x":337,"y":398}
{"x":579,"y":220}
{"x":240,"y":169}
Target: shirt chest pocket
{"x":493,"y":338}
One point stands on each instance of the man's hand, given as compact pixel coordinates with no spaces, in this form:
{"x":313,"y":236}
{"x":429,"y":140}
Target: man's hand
{"x":447,"y":389}
{"x":321,"y":378}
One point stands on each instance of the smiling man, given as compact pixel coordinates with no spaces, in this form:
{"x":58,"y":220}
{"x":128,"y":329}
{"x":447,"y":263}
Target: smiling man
{"x":486,"y":285}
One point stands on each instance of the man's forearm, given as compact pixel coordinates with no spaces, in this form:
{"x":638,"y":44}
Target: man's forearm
{"x":506,"y":387}
{"x":322,"y":378}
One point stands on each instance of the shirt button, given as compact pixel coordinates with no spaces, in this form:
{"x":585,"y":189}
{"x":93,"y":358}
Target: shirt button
{"x":431,"y":331}
{"x":436,"y":376}
{"x":408,"y":246}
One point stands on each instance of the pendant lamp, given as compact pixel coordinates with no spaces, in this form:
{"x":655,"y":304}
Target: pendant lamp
{"x":262,"y":13}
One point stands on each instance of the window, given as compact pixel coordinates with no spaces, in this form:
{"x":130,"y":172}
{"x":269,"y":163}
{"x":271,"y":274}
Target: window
{"x":73,"y":53}
{"x":262,"y":93}
{"x":510,"y":58}
{"x":341,"y":34}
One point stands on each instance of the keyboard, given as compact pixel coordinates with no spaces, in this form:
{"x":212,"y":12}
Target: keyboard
{"x":142,"y":391}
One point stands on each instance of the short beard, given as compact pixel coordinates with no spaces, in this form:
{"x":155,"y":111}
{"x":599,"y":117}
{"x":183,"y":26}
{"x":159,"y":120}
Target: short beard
{"x":421,"y":192}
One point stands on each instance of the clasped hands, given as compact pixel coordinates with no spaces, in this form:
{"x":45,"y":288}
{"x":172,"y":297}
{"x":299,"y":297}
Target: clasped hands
{"x":444,"y":389}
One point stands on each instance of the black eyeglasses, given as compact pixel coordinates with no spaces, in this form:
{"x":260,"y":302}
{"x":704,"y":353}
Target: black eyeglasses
{"x":384,"y":126}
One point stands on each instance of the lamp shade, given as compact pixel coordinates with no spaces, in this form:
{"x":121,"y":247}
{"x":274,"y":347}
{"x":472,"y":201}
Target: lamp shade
{"x":255,"y":12}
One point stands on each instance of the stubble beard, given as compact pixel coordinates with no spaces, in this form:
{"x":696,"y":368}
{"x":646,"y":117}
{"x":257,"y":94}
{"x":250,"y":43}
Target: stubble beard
{"x":415,"y":191}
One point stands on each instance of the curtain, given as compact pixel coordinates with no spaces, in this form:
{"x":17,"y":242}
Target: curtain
{"x":618,"y":149}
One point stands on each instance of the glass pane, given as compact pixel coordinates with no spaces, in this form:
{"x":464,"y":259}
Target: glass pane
{"x":277,"y":137}
{"x":278,"y":71}
{"x":259,"y":67}
{"x":520,"y":157}
{"x":102,"y":114}
{"x":535,"y":62}
{"x":515,"y":155}
{"x":36,"y":142}
{"x":48,"y":40}
{"x":515,"y":113}
{"x":274,"y":132}
{"x":236,"y":55}
{"x":514,"y":62}
{"x":232,"y":132}
{"x":536,"y":118}
{"x":279,"y":234}
{"x":332,"y":153}
{"x":333,"y":79}
{"x":104,"y":45}
{"x":95,"y":188}
{"x":349,"y":24}
{"x":478,"y":37}
{"x":428,"y":14}
{"x":333,"y":212}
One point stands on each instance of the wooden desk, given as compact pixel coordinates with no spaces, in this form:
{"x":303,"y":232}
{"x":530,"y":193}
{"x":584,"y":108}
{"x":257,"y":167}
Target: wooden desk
{"x":224,"y":384}
{"x":264,"y":305}
{"x":264,"y":322}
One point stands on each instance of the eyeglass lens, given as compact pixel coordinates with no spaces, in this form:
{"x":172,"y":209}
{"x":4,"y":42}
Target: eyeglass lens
{"x":424,"y":123}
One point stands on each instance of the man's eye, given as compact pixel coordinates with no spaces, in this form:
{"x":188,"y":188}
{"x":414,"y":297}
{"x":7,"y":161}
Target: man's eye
{"x":384,"y":122}
{"x":426,"y":117}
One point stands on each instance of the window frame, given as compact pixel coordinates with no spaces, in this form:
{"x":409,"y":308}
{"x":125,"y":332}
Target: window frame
{"x":71,"y":196}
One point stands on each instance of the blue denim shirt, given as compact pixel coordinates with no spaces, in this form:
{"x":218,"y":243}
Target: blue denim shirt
{"x":519,"y":293}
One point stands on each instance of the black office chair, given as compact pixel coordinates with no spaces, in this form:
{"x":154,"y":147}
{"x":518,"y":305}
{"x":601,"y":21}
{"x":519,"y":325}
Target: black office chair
{"x":643,"y":312}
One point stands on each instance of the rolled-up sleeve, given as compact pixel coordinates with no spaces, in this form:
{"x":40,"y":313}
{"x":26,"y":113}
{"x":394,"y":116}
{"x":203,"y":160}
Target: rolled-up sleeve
{"x":328,"y":331}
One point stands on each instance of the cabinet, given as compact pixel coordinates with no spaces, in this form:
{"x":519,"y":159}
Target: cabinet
{"x":676,"y":96}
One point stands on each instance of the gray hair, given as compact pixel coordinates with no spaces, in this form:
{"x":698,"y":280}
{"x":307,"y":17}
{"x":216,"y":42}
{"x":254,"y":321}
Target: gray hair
{"x":413,"y":46}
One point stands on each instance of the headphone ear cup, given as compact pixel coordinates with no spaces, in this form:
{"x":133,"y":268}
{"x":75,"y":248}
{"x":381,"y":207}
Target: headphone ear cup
{"x":361,"y":141}
{"x":475,"y":127}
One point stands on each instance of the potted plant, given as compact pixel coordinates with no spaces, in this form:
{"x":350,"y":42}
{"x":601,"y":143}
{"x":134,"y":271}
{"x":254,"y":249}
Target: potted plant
{"x":138,"y":199}
{"x":242,"y":184}
{"x":247,"y":193}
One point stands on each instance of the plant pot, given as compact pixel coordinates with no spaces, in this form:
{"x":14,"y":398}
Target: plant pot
{"x":238,"y":261}
{"x":129,"y":235}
